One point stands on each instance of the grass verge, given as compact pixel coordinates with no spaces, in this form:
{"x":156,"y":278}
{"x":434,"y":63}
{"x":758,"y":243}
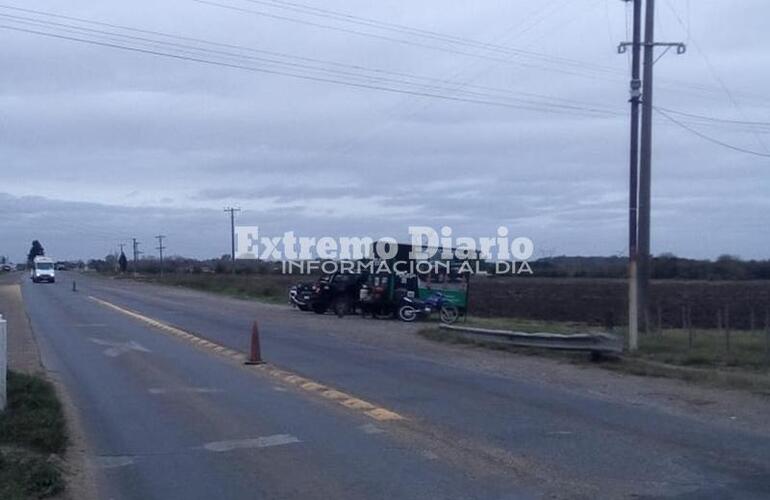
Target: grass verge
{"x":32,"y":433}
{"x":698,"y":356}
{"x":265,"y":288}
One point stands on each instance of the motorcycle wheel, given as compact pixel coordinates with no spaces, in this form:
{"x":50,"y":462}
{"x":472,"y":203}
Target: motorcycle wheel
{"x":303,"y":307}
{"x":407,"y":313}
{"x":449,"y":314}
{"x":319,"y":308}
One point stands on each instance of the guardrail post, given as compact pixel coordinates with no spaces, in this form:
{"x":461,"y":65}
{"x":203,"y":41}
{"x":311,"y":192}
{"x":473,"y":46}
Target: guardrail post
{"x":3,"y":362}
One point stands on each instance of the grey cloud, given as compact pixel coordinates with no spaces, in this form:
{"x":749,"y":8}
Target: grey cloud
{"x":153,"y":142}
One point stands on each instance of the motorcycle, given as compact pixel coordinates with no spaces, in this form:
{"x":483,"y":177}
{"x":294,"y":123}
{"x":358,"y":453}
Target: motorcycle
{"x":410,"y":309}
{"x":300,"y":295}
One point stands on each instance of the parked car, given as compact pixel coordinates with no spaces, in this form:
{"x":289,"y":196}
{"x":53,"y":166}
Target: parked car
{"x":338,"y":292}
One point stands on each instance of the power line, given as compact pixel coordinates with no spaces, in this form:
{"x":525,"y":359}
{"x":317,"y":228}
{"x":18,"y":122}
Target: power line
{"x":577,"y":67}
{"x":715,"y":75}
{"x":392,"y":27}
{"x":709,"y":138}
{"x":532,"y":106}
{"x":430,"y":83}
{"x":714,"y":119}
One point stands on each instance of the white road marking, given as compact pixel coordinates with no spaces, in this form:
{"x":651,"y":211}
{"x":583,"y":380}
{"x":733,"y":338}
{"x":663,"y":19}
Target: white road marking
{"x":260,"y":442}
{"x":559,"y":433}
{"x":112,"y":462}
{"x":197,"y":390}
{"x":90,"y":325}
{"x":429,"y":455}
{"x":371,"y":429}
{"x":115,"y":349}
{"x":279,"y":388}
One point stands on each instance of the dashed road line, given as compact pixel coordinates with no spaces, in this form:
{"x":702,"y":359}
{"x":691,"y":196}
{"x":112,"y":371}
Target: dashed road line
{"x":112,"y":462}
{"x":115,"y":349}
{"x":260,"y":442}
{"x":172,"y":390}
{"x":351,"y":402}
{"x":371,"y":429}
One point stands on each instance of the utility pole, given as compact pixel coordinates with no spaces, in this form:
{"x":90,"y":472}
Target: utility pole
{"x":635,"y":89}
{"x":640,"y":185}
{"x":645,"y":164}
{"x":232,"y":236}
{"x":160,"y":248}
{"x":136,"y":253}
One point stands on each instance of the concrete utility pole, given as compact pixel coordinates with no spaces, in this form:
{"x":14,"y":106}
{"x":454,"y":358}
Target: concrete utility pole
{"x":232,"y":236}
{"x":645,"y":164}
{"x":160,"y":248}
{"x":640,"y":195}
{"x":636,"y":84}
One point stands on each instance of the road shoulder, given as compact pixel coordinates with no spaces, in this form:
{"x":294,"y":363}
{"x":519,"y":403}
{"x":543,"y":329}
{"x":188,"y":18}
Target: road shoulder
{"x":24,"y":356}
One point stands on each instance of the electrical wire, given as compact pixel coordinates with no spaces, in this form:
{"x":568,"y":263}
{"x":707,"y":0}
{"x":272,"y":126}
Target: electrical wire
{"x":576,"y":67}
{"x":709,"y":138}
{"x":376,"y":73}
{"x":714,"y":119}
{"x":715,"y":74}
{"x":532,"y":106}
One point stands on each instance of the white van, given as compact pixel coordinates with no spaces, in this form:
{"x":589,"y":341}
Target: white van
{"x":42,"y":270}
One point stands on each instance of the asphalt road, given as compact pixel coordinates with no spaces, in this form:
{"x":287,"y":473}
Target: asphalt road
{"x":166,"y":419}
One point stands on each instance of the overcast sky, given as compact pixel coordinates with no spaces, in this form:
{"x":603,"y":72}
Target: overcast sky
{"x":479,"y":114}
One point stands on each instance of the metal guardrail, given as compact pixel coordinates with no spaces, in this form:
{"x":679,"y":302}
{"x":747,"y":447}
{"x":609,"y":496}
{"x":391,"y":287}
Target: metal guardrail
{"x":589,"y":342}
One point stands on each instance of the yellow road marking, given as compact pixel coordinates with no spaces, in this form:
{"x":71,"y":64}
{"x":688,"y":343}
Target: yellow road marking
{"x":327,"y":392}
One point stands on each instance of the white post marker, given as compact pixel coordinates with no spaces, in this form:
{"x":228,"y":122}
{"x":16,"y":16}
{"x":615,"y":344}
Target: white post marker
{"x":3,"y":361}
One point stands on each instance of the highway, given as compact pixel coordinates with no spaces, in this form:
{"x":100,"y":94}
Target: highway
{"x":169,"y":417}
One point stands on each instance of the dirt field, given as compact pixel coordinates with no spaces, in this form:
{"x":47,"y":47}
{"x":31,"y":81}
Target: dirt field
{"x":738,"y":304}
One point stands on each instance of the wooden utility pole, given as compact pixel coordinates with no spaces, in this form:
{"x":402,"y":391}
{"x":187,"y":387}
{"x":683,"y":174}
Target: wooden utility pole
{"x":160,"y":248}
{"x":232,"y":236}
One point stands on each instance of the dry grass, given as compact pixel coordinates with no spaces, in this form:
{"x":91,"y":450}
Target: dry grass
{"x":272,"y":288}
{"x":709,"y":349}
{"x":32,"y":429}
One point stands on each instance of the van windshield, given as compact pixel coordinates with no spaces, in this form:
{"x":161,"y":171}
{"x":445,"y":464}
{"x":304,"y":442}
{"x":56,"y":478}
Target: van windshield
{"x":44,"y":266}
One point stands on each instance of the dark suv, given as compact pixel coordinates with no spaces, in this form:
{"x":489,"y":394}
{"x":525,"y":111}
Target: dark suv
{"x":338,"y":292}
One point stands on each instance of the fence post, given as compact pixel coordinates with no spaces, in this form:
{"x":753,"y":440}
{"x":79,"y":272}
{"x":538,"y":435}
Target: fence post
{"x":767,"y":338}
{"x":719,"y":332}
{"x":727,"y":327}
{"x":3,"y":362}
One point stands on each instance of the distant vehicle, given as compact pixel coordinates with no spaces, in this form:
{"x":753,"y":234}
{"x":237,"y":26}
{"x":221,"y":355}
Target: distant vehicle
{"x":42,"y":270}
{"x":6,"y":268}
